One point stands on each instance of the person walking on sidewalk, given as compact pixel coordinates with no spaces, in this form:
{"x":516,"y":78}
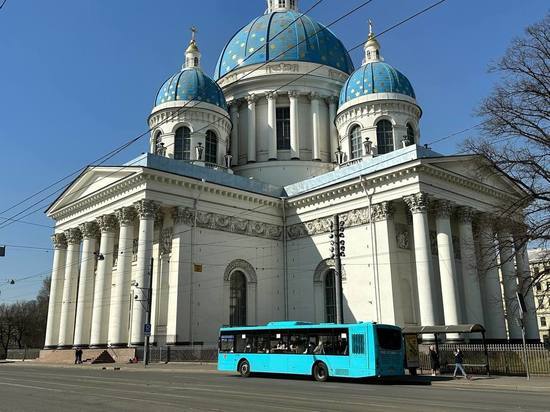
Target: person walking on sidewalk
{"x":459,"y":360}
{"x":434,"y":360}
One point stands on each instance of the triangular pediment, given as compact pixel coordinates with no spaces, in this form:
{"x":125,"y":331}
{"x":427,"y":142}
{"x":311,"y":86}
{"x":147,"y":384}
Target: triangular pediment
{"x":91,"y":181}
{"x":477,"y":170}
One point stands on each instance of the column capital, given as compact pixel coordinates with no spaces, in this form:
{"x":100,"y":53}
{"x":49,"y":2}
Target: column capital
{"x":73,"y":235}
{"x":59,"y":241}
{"x":314,"y":96}
{"x":126,"y":215}
{"x":183,"y":215}
{"x":166,"y":241}
{"x":271,"y":95}
{"x":251,"y":99}
{"x":147,"y":209}
{"x":443,"y":208}
{"x":417,"y":203}
{"x":332,"y":99}
{"x":293,"y":94}
{"x":234,"y":105}
{"x":90,"y":230}
{"x":107,"y":223}
{"x":465,"y":214}
{"x":382,"y":211}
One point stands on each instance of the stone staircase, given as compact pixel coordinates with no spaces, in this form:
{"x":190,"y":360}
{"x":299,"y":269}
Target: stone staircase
{"x":66,"y":356}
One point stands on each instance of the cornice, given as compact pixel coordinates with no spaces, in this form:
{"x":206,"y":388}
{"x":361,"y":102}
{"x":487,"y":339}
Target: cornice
{"x":133,"y":182}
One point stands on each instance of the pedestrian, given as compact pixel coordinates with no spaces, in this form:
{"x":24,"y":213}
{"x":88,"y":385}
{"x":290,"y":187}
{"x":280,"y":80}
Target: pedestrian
{"x":434,"y":360}
{"x":459,"y":359}
{"x":78,"y":356}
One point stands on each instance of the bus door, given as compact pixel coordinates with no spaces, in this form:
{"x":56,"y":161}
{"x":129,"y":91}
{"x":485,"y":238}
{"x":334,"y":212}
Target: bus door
{"x":359,"y":355}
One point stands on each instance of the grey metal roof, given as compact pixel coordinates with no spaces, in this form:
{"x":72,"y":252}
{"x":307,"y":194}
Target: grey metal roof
{"x":467,"y":328}
{"x":368,"y":165}
{"x":210,"y":175}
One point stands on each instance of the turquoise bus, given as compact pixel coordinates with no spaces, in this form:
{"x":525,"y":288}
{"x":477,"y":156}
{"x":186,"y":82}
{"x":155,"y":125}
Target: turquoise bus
{"x":356,"y":350}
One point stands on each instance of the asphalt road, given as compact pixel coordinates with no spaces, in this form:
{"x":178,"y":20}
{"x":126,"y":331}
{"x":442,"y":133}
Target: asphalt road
{"x":44,"y":388}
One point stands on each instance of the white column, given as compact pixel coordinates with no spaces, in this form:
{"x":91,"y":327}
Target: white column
{"x":334,"y":143}
{"x":147,"y":211}
{"x":418,"y":204}
{"x":272,"y":125}
{"x":510,"y":283}
{"x":447,"y":270}
{"x":120,"y":291}
{"x":56,"y":290}
{"x":315,"y":126}
{"x":102,"y":289}
{"x":234,"y":113}
{"x":84,"y":304}
{"x":526,"y":287}
{"x":294,"y":134}
{"x":68,"y":307}
{"x":389,"y":305}
{"x":470,"y":274}
{"x":179,"y":281}
{"x":493,"y":309}
{"x":251,"y":155}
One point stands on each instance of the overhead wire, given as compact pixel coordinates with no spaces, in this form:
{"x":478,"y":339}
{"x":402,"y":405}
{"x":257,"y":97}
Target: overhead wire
{"x":301,"y":75}
{"x":101,"y":160}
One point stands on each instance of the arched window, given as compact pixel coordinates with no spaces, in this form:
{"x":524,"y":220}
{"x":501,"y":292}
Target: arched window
{"x":330,"y":296}
{"x":196,"y":61}
{"x":182,"y":144}
{"x":211,"y":149}
{"x":356,"y":149}
{"x":156,"y":143}
{"x":384,"y":136}
{"x":237,"y":299}
{"x":410,"y":134}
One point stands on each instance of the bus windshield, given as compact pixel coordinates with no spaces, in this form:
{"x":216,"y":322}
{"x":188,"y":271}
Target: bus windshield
{"x":389,"y":338}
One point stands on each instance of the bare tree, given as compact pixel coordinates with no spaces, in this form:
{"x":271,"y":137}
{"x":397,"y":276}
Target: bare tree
{"x":515,"y":140}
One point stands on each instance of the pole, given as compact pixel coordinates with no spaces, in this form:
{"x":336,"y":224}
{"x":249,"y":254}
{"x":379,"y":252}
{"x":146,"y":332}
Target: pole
{"x":525,"y":360}
{"x":338,"y":272}
{"x":148,"y":315}
{"x":521,"y":320}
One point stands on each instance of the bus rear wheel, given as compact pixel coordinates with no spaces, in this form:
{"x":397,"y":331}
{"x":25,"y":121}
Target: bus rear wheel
{"x":244,"y":369}
{"x":320,"y":372}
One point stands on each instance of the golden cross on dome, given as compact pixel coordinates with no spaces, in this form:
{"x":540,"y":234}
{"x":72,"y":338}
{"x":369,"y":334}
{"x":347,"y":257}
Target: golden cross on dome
{"x":370,"y":28}
{"x":194,"y":30}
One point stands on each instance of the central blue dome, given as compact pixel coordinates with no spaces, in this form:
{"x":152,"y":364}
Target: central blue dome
{"x":191,"y":84}
{"x":375,"y":77}
{"x":303,"y":39}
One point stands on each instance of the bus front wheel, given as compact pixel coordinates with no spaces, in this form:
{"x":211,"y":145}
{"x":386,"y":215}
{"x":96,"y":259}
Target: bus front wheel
{"x":320,"y":372}
{"x":244,"y":368}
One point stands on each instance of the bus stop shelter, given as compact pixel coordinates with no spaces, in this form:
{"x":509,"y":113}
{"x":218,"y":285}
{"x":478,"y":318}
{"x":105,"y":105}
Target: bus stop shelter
{"x":437,"y":330}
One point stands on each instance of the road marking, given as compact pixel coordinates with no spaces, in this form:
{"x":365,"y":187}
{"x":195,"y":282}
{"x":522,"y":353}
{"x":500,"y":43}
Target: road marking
{"x":31,"y":387}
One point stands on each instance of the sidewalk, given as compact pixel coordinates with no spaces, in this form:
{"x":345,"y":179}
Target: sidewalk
{"x":511,"y":383}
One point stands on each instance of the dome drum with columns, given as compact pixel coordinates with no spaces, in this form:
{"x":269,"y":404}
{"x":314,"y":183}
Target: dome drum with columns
{"x":234,"y":202}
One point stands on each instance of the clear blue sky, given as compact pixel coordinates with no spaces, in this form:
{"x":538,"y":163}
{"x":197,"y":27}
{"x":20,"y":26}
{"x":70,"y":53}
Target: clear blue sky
{"x":78,"y":78}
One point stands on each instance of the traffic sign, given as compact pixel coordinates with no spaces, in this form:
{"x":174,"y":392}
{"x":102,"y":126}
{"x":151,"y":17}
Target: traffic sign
{"x":147,"y":329}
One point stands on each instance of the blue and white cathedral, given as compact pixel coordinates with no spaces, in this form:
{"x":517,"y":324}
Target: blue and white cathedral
{"x":232,"y":204}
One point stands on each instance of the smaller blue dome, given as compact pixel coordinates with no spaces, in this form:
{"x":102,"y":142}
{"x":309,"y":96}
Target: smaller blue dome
{"x":191,"y":84}
{"x":375,"y":77}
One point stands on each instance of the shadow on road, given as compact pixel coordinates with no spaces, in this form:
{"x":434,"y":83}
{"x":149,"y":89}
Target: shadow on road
{"x":395,"y":380}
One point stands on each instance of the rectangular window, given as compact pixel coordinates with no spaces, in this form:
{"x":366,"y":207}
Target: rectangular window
{"x":283,"y":128}
{"x":358,"y":342}
{"x":389,"y":338}
{"x":543,"y":321}
{"x":227,"y":343}
{"x":538,"y":286}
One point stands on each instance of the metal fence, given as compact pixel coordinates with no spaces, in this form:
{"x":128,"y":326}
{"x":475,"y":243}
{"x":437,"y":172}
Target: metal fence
{"x":22,"y":354}
{"x":504,"y":359}
{"x":165,"y":354}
